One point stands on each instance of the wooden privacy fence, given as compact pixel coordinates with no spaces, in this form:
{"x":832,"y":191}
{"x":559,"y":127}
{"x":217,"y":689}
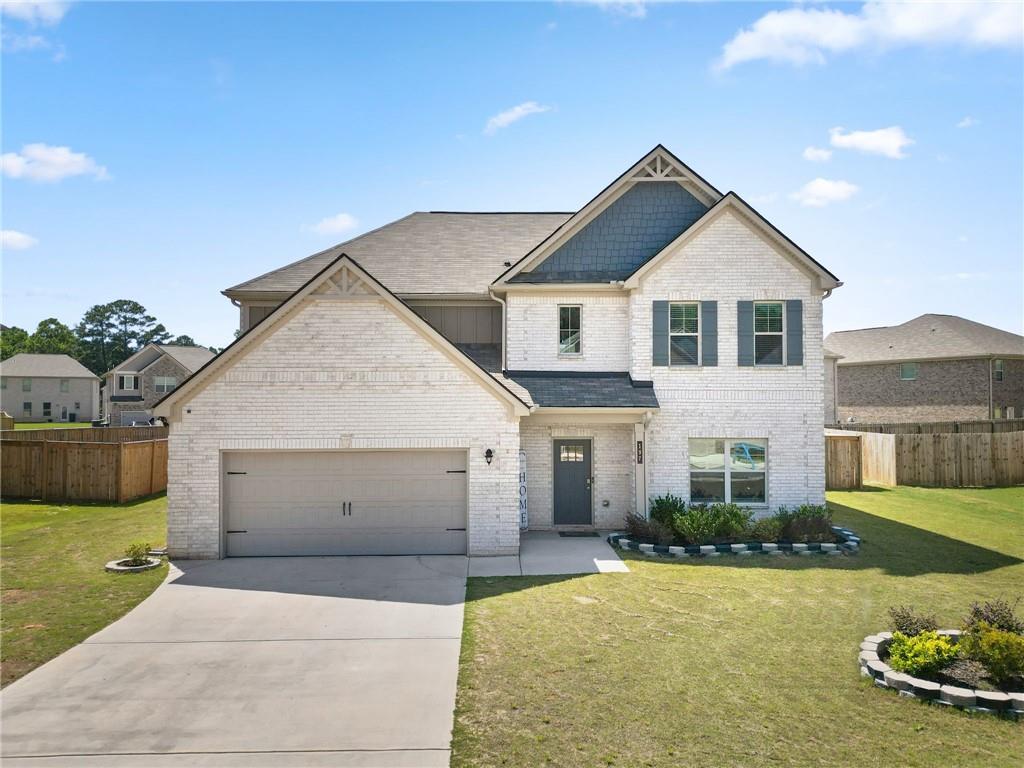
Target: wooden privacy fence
{"x":936,"y":460}
{"x":88,"y":434}
{"x":60,"y":470}
{"x":990,"y":426}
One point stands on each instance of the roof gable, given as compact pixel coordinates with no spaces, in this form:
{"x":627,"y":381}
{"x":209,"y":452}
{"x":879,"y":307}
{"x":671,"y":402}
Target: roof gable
{"x":28,"y":365}
{"x":342,"y":279}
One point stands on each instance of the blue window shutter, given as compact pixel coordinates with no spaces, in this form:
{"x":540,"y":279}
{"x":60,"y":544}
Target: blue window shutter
{"x":745,"y":332}
{"x":659,"y":333}
{"x":709,"y":333}
{"x":794,"y":332}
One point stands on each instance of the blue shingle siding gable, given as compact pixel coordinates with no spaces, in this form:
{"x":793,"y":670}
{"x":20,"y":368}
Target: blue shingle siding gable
{"x":630,"y":231}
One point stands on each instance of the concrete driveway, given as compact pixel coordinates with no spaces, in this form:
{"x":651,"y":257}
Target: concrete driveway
{"x":258,"y":662}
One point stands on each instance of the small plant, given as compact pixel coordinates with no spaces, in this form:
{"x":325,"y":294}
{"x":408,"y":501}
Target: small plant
{"x":651,"y":531}
{"x":995,"y":613}
{"x":808,"y":522}
{"x":999,"y":651}
{"x":766,"y":529}
{"x":695,"y":525}
{"x":923,"y":654}
{"x":910,"y":623}
{"x":136,"y":554}
{"x":664,"y":508}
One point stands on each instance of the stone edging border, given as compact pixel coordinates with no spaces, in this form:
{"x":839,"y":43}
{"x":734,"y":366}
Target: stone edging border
{"x":849,"y":544}
{"x":1009,"y":705}
{"x":114,"y":566}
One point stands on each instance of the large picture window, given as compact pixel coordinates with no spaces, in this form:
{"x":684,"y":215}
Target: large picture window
{"x":684,"y":338}
{"x":569,"y":330}
{"x":728,"y":470}
{"x":768,"y":333}
{"x":164,"y":384}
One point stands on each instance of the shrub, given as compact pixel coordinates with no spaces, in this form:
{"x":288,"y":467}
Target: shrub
{"x":695,"y":525}
{"x":649,"y":531}
{"x":808,"y":522}
{"x":996,"y":613}
{"x":999,"y":651}
{"x":136,"y":554}
{"x":766,"y":529}
{"x":922,"y":654}
{"x":731,"y":520}
{"x":907,"y":622}
{"x":664,"y":508}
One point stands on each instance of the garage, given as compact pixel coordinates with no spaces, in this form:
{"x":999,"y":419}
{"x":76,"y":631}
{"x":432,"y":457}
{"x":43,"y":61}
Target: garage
{"x":309,"y":503}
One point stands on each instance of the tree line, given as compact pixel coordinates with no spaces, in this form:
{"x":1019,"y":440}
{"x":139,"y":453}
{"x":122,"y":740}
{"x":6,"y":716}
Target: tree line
{"x":106,"y":336}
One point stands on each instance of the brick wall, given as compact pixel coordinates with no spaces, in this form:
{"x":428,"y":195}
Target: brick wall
{"x":1010,"y":391}
{"x":164,"y":366}
{"x":342,"y":375}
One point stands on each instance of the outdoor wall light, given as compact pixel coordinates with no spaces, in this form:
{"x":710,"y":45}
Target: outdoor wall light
{"x":488,"y":455}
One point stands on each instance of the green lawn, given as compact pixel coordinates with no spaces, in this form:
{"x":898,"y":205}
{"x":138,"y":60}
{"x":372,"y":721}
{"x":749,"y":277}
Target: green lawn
{"x":55,"y":591}
{"x":52,"y":425}
{"x":739,"y":662}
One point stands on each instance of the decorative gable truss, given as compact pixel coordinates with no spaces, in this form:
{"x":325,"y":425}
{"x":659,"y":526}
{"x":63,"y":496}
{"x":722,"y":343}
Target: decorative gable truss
{"x":343,"y":284}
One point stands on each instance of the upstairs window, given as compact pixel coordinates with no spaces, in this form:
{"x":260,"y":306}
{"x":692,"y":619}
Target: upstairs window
{"x":908,"y":371}
{"x":3,"y":382}
{"x":569,"y":330}
{"x":164,"y":384}
{"x":26,"y":385}
{"x":65,"y":385}
{"x":997,"y":371}
{"x":128,"y":382}
{"x":768,"y":345}
{"x":684,"y":336}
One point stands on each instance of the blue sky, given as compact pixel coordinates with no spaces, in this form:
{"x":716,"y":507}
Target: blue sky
{"x":206,"y":143}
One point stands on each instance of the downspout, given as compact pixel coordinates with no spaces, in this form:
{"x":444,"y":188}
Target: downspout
{"x":238,"y":304}
{"x":991,"y":395}
{"x":504,"y":327}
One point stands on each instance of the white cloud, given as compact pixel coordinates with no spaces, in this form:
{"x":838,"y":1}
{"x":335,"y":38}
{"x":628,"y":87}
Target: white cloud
{"x":333,"y":225}
{"x":633,"y":9}
{"x":12,"y":240}
{"x":509,"y":116}
{"x":42,"y":162}
{"x":821,"y":192}
{"x":817,"y":155}
{"x":35,"y":11}
{"x":801,"y":36}
{"x":885,"y":141}
{"x":967,"y":122}
{"x":962,"y":276}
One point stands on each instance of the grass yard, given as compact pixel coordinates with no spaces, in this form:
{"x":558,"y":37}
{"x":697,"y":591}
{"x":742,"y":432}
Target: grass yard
{"x":739,"y":662}
{"x":55,"y":591}
{"x":52,"y":425}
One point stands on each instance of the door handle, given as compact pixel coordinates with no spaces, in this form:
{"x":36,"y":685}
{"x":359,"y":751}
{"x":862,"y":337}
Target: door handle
{"x":590,"y":482}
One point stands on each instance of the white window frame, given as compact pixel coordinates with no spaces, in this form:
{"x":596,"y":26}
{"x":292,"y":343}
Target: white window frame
{"x":727,"y":471}
{"x":123,"y":377}
{"x":1010,"y":412}
{"x":65,"y":385}
{"x":917,"y":372}
{"x":26,"y":384}
{"x":781,"y":333}
{"x":998,"y":371}
{"x":3,"y":382}
{"x":163,"y":389}
{"x":26,"y":411}
{"x":696,"y":334}
{"x":579,"y":330}
{"x":47,"y":409}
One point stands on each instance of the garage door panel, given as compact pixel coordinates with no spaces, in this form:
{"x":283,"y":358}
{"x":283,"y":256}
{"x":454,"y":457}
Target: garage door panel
{"x":344,"y":503}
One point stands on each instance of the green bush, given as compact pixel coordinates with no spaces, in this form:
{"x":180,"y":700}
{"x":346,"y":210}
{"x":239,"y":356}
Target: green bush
{"x":808,"y":522}
{"x":136,"y":554}
{"x":922,"y":654}
{"x":766,"y":529}
{"x":648,"y":531}
{"x":996,"y":613}
{"x":906,"y":621}
{"x":999,"y":651}
{"x":665,"y":508}
{"x":704,"y":524}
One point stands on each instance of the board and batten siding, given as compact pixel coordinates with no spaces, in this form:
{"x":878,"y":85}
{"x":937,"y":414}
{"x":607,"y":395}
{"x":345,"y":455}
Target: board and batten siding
{"x":728,"y":263}
{"x":342,"y":375}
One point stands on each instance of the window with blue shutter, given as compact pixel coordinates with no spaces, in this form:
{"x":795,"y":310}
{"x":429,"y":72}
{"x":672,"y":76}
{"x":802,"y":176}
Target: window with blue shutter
{"x":659,"y":333}
{"x":745,"y":332}
{"x":709,"y":333}
{"x":794,"y":332}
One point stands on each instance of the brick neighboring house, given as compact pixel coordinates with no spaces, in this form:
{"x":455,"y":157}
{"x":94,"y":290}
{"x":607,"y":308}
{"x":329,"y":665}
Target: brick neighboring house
{"x":43,"y":388}
{"x":132,"y":389}
{"x":931,"y":368}
{"x":440,"y":383}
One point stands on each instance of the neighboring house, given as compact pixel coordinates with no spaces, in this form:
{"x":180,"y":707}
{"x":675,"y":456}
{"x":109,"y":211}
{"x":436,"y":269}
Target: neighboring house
{"x":48,"y":388}
{"x":434,"y":385}
{"x":931,"y":368}
{"x":132,"y":389}
{"x":831,"y":384}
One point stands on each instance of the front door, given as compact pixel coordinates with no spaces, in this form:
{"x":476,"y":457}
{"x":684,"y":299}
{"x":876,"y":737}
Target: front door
{"x":573,"y":502}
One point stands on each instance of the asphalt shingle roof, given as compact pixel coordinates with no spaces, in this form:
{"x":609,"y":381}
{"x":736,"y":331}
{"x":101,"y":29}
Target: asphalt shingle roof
{"x":550,"y":389}
{"x":193,"y":358}
{"x":435,"y":252}
{"x":60,"y":366}
{"x":924,"y":338}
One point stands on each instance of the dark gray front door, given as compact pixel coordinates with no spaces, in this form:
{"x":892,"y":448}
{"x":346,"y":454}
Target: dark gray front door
{"x":573,"y":504}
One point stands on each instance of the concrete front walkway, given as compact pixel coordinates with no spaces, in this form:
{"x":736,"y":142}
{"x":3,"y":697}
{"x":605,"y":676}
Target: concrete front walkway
{"x":543,"y":553}
{"x":257,"y":662}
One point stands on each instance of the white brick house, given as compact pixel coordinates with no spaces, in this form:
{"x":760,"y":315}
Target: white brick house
{"x":392,"y":395}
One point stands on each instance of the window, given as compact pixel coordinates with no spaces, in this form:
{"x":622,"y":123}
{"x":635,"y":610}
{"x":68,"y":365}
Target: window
{"x":570,"y":453}
{"x":997,"y":412}
{"x":128,"y":382}
{"x":47,"y":409}
{"x":684,"y":339}
{"x":908,"y":371}
{"x":26,"y":409}
{"x":26,"y":385}
{"x":728,"y":470}
{"x":569,"y":330}
{"x":3,"y":382}
{"x":78,"y":406}
{"x":164,"y":384}
{"x":1009,"y":411}
{"x":998,"y":372}
{"x":768,"y":333}
{"x":65,"y":385}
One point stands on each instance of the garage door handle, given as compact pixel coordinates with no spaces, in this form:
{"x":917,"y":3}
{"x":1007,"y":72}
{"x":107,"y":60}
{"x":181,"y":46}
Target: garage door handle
{"x":237,"y":531}
{"x":455,"y":472}
{"x":455,"y":529}
{"x":238,"y":473}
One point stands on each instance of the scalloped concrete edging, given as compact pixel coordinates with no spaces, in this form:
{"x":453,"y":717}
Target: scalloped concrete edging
{"x":114,"y":566}
{"x":849,"y":544}
{"x":1010,"y":705}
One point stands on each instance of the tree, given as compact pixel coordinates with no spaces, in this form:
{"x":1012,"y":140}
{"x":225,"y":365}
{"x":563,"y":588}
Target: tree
{"x":111,"y":333}
{"x":12,"y":341}
{"x":52,"y":337}
{"x":183,"y":341}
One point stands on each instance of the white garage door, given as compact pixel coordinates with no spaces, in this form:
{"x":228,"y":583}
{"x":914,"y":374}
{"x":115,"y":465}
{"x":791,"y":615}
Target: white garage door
{"x":289,"y":503}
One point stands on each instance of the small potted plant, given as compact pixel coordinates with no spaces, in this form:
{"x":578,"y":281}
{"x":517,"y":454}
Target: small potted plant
{"x":136,"y":559}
